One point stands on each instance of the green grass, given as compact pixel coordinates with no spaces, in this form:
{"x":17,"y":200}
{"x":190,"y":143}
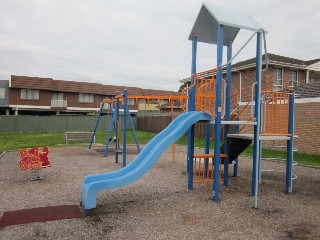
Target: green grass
{"x":16,"y":141}
{"x":301,"y":158}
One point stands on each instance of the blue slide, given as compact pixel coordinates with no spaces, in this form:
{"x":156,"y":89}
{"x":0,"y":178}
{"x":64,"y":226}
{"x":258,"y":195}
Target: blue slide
{"x":142,"y":163}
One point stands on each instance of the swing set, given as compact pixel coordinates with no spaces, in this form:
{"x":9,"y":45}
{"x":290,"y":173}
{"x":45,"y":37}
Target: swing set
{"x":115,"y":126}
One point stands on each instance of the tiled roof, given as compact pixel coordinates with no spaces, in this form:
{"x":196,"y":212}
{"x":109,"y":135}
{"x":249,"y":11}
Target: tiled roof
{"x":308,"y":90}
{"x":312,"y":61}
{"x":111,"y":90}
{"x":274,"y":58}
{"x":32,"y":82}
{"x":152,"y":92}
{"x":133,"y":91}
{"x":81,"y":87}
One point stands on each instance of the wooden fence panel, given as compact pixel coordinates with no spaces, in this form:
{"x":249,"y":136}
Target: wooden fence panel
{"x":156,"y":123}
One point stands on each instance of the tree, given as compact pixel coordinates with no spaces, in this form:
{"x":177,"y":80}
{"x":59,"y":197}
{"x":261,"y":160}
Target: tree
{"x":182,"y":87}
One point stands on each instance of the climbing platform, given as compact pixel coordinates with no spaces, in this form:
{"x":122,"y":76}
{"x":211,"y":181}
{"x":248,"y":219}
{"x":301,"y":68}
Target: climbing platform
{"x":203,"y":168}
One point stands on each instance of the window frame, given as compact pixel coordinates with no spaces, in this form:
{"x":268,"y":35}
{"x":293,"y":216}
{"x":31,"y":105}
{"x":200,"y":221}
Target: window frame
{"x":29,"y":94}
{"x":131,"y":101}
{"x":276,"y":79}
{"x":2,"y":93}
{"x":82,"y":98}
{"x":290,"y":78}
{"x":58,"y":96}
{"x":142,"y":101}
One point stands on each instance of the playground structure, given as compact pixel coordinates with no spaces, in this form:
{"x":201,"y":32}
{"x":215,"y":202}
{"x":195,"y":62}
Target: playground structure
{"x":272,"y":113}
{"x":114,"y":106}
{"x":272,"y":116}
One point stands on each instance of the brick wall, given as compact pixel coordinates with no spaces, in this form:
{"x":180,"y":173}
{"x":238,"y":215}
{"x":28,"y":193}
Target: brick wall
{"x":248,"y":77}
{"x":307,"y":127}
{"x":73,"y":101}
{"x":15,"y":98}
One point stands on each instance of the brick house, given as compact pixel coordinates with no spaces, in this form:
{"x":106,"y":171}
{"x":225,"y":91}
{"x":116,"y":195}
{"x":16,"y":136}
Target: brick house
{"x":46,"y":96}
{"x":282,"y":72}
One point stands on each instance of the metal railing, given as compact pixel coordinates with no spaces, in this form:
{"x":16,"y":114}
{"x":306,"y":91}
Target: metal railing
{"x":275,"y":105}
{"x":275,"y":113}
{"x":203,"y":168}
{"x":205,"y":84}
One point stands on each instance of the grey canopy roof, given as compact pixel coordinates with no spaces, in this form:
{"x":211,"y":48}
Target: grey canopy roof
{"x":205,"y":26}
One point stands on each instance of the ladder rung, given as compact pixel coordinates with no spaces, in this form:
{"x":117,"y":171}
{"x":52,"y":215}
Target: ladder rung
{"x":209,"y":155}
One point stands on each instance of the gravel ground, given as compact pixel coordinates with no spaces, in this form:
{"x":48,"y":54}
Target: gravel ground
{"x":159,"y":206}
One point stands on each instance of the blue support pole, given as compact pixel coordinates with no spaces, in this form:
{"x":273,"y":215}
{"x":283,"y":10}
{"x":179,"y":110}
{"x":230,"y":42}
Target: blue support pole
{"x":260,"y":142}
{"x":257,"y":128}
{"x":125,"y":111}
{"x":192,"y":107}
{"x":290,"y":144}
{"x":134,"y":132}
{"x":112,"y":124}
{"x":207,"y":149}
{"x":217,"y":126}
{"x":236,"y":164}
{"x":117,"y":127}
{"x":96,"y":126}
{"x":227,"y":116}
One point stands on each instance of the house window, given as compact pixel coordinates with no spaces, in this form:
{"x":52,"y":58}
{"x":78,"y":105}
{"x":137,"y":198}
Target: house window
{"x":56,"y":96}
{"x":2,"y":93}
{"x":293,"y":78}
{"x":130,"y":101}
{"x":162,"y":102}
{"x":85,"y":98}
{"x":312,"y":80}
{"x":29,"y":94}
{"x":277,"y":79}
{"x":142,"y":101}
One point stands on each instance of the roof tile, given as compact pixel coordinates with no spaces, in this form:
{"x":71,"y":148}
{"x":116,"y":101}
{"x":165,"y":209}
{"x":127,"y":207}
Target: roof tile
{"x":308,"y":90}
{"x":32,"y":82}
{"x":81,"y":87}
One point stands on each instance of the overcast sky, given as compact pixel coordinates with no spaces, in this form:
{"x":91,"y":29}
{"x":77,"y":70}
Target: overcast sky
{"x":142,"y":43}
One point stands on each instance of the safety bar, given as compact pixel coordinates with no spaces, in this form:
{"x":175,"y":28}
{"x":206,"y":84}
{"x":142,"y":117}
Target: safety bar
{"x":246,"y":43}
{"x":252,"y":97}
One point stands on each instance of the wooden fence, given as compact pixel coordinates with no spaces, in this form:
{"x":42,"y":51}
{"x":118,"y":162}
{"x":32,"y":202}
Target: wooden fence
{"x":156,"y":123}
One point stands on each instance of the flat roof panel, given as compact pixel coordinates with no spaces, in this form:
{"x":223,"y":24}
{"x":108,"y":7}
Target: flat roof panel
{"x":205,"y":26}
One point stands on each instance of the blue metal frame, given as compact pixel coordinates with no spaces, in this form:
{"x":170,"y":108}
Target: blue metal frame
{"x":192,"y":107}
{"x":257,"y":128}
{"x":96,"y":126}
{"x":227,"y":116}
{"x":125,"y":111}
{"x":217,"y":125}
{"x":236,"y":161}
{"x":207,"y":149}
{"x":112,"y":126}
{"x":117,"y":126}
{"x":134,"y":132}
{"x":290,"y":144}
